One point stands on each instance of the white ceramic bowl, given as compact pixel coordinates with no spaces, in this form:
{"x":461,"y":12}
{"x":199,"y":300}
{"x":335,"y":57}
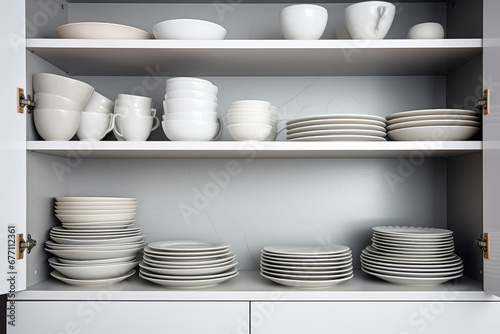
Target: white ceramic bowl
{"x":133,"y":101}
{"x":56,"y":124}
{"x":185,"y":130}
{"x":187,"y":105}
{"x":100,"y":271}
{"x":204,"y":116}
{"x":427,"y":30}
{"x":303,"y":21}
{"x":101,"y":100}
{"x":250,"y":104}
{"x":235,"y":118}
{"x":191,"y":94}
{"x":52,"y":101}
{"x":241,"y":132}
{"x":188,"y":29}
{"x":192,"y":85}
{"x":72,"y":89}
{"x":369,"y":19}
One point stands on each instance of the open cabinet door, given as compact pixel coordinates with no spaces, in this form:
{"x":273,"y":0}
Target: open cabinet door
{"x":12,"y":145}
{"x":491,"y":144}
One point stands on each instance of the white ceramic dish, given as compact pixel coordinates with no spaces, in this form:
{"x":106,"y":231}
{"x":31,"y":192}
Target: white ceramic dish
{"x":189,"y":130}
{"x":93,"y":255}
{"x":53,"y":101}
{"x":59,"y":229}
{"x":418,"y":245}
{"x":434,"y":133}
{"x":56,"y":124}
{"x":96,"y":204}
{"x":188,"y":29}
{"x":410,"y":124}
{"x":189,"y":271}
{"x":315,"y":284}
{"x":160,"y":256}
{"x":309,"y":251}
{"x":410,"y":257}
{"x":302,"y":258}
{"x":91,"y":241}
{"x":404,"y":248}
{"x":72,"y":89}
{"x":306,"y":277}
{"x":412,"y":281}
{"x":314,"y":274}
{"x":412,"y":231}
{"x":188,"y":245}
{"x":339,"y":138}
{"x":96,"y":262}
{"x":188,"y":284}
{"x":307,"y":265}
{"x":95,"y":207}
{"x":446,"y":261}
{"x":100,"y":30}
{"x":432,"y":112}
{"x":426,"y":30}
{"x":337,"y":117}
{"x":350,"y":132}
{"x":190,"y":263}
{"x":411,"y":268}
{"x":95,"y":218}
{"x":452,"y":117}
{"x":411,"y":254}
{"x":403,"y":239}
{"x":188,"y":278}
{"x":369,"y":19}
{"x":303,"y":21}
{"x":92,"y":272}
{"x":328,"y":122}
{"x":335,"y":127}
{"x":176,"y":265}
{"x":94,"y":212}
{"x":381,"y":270}
{"x":91,"y":282}
{"x":120,"y":200}
{"x":98,"y":225}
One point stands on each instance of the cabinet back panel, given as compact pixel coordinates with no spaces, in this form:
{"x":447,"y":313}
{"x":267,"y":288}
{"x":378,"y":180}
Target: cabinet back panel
{"x":255,"y":203}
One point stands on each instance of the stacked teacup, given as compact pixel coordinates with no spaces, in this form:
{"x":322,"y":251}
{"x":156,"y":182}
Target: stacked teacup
{"x":252,"y":120}
{"x":97,"y":118}
{"x":190,"y":108}
{"x":135,"y":117}
{"x":59,"y":103}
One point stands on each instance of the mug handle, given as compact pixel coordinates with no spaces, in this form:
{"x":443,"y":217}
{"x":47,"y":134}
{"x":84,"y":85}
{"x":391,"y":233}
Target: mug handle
{"x":111,"y":124}
{"x":155,"y":119}
{"x":115,"y":125}
{"x":153,"y":112}
{"x":383,"y":12}
{"x":220,"y":123}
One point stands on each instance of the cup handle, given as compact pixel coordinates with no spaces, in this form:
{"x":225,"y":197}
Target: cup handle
{"x":155,"y":119}
{"x":153,"y":112}
{"x":220,"y":123}
{"x":111,"y":123}
{"x":383,"y":12}
{"x":115,"y":125}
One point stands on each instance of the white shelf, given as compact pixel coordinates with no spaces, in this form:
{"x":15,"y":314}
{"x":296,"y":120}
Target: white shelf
{"x":249,"y":285}
{"x":211,"y":1}
{"x":256,"y":57}
{"x":250,"y":150}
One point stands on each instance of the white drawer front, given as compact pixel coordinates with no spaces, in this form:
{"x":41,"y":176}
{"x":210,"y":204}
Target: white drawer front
{"x":373,"y":317}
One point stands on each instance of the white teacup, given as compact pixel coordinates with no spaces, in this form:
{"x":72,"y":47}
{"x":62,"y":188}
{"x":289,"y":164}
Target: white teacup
{"x":135,"y":127}
{"x":134,"y":101}
{"x":122,"y":110}
{"x":95,"y":107}
{"x":101,"y":100}
{"x":369,"y":19}
{"x":94,"y":126}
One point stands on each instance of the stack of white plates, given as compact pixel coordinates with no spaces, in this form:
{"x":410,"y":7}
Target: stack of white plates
{"x":95,"y":246}
{"x":338,"y":127}
{"x":307,"y":266}
{"x":412,"y":255}
{"x":188,"y":263}
{"x":433,"y":124}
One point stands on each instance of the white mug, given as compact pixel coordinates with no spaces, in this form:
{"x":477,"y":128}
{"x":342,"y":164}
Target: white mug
{"x":134,"y":127}
{"x":94,"y":126}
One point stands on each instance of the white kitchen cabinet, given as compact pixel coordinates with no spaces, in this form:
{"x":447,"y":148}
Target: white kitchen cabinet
{"x":284,"y":193}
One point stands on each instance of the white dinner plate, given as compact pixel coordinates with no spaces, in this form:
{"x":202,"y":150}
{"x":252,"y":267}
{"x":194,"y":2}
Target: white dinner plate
{"x":433,"y":112}
{"x":307,"y":284}
{"x":306,"y":277}
{"x":100,"y":30}
{"x":189,"y":271}
{"x":95,"y":207}
{"x":433,"y":123}
{"x":188,"y":284}
{"x":300,"y":273}
{"x":307,"y":251}
{"x":62,"y":230}
{"x":186,"y":277}
{"x":94,"y":235}
{"x":335,"y":121}
{"x":411,"y":268}
{"x":445,"y":261}
{"x":92,"y":272}
{"x":419,"y":250}
{"x":349,"y":132}
{"x":175,"y":265}
{"x":69,"y":241}
{"x":178,"y":262}
{"x":347,"y":126}
{"x":94,"y":226}
{"x":94,"y":212}
{"x":340,"y":138}
{"x":412,"y":241}
{"x":306,"y":266}
{"x":410,"y":273}
{"x":336,"y":117}
{"x":184,"y":256}
{"x":91,"y":282}
{"x":96,"y":199}
{"x":93,"y":254}
{"x":413,"y":231}
{"x":434,"y":133}
{"x":96,"y":204}
{"x":411,"y":257}
{"x":433,"y":117}
{"x":96,"y":247}
{"x":102,"y":261}
{"x":326,"y":261}
{"x":95,"y":218}
{"x":412,"y":281}
{"x":188,"y":245}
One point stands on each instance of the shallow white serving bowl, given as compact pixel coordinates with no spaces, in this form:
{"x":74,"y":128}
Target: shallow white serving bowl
{"x":188,"y":29}
{"x":53,"y":101}
{"x":181,"y":130}
{"x":188,"y":105}
{"x":94,"y":271}
{"x":191,"y":94}
{"x":204,"y":116}
{"x":192,"y":85}
{"x":73,"y":89}
{"x":303,"y":21}
{"x":56,"y":124}
{"x":101,"y":30}
{"x":369,"y":19}
{"x":241,"y":132}
{"x":427,"y":30}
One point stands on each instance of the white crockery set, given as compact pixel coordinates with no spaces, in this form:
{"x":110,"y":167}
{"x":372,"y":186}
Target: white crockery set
{"x":97,"y":243}
{"x":190,"y":110}
{"x":252,"y":120}
{"x":59,"y":105}
{"x":135,"y":117}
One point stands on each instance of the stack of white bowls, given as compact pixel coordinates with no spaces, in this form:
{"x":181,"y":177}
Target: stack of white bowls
{"x":188,"y":263}
{"x":97,"y":244}
{"x":135,"y":117}
{"x":97,"y":118}
{"x":252,"y":120}
{"x":190,"y":108}
{"x":59,"y":104}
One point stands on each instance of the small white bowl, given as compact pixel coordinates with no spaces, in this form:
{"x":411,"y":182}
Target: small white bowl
{"x":188,"y":105}
{"x":56,"y":124}
{"x":192,"y":94}
{"x":52,"y":101}
{"x":242,"y":132}
{"x":204,"y":116}
{"x":188,"y":29}
{"x":183,"y":130}
{"x":192,"y":85}
{"x":427,"y":30}
{"x":72,"y":89}
{"x":303,"y":21}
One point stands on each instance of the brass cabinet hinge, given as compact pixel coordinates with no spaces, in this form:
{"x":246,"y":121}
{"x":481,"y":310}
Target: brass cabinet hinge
{"x":23,"y":245}
{"x":484,"y":103}
{"x":484,"y":244}
{"x":24,"y":102}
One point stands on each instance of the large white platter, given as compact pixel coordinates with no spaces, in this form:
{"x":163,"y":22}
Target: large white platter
{"x":100,"y":30}
{"x":91,"y":282}
{"x":188,"y":245}
{"x":189,"y":271}
{"x":412,"y":281}
{"x":187,"y":284}
{"x":319,"y":284}
{"x":434,"y":133}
